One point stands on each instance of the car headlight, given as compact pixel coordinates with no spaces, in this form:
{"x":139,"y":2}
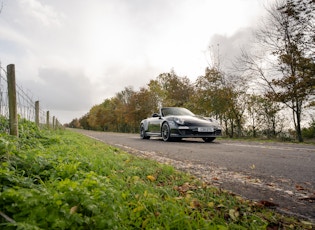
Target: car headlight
{"x":179,"y":121}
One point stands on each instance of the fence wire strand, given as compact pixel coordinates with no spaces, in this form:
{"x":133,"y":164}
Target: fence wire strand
{"x":25,"y":102}
{"x":4,"y":105}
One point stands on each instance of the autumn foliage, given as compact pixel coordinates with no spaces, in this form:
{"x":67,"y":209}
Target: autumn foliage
{"x":215,"y":94}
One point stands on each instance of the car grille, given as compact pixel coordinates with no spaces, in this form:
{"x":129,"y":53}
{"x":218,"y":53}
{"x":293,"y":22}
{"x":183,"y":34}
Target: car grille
{"x":192,"y":132}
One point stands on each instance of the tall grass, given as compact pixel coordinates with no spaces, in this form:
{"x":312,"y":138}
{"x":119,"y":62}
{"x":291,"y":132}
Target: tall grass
{"x":63,"y":180}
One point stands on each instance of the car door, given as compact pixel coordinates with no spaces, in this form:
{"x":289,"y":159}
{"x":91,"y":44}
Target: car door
{"x":154,"y":123}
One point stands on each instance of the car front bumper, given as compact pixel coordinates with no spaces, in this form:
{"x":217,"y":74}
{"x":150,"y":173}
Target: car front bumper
{"x":195,"y":132}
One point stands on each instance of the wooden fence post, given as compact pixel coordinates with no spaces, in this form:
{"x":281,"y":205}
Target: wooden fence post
{"x":37,"y":113}
{"x":53,"y":121}
{"x":47,"y":119}
{"x":13,"y":117}
{"x":57,"y":124}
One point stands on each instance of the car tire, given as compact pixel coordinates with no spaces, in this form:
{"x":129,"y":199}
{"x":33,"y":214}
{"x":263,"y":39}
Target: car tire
{"x":208,"y":139}
{"x":143,"y":135}
{"x":166,"y":132}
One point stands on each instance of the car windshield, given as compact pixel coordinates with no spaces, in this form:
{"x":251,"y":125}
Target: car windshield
{"x":176,"y":111}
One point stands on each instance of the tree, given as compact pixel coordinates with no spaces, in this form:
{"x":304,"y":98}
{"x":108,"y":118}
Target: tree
{"x":310,"y":131}
{"x":96,"y":117}
{"x":121,"y":112}
{"x":75,"y":123}
{"x":211,"y":94}
{"x":110,"y":120}
{"x":263,"y":115}
{"x":84,"y":121}
{"x":141,"y":105}
{"x":174,"y":90}
{"x":220,"y":96}
{"x":285,"y":36}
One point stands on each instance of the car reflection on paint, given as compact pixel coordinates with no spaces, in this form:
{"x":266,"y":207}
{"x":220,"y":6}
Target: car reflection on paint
{"x":175,"y":123}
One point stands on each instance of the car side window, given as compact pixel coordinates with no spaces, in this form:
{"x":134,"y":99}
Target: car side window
{"x":165,"y":112}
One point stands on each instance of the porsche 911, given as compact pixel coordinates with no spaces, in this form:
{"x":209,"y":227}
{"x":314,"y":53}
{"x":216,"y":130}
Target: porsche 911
{"x":175,"y":123}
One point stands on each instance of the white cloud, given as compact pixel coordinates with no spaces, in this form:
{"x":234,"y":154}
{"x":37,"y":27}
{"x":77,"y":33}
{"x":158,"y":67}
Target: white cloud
{"x":90,"y":50}
{"x":62,"y":89}
{"x":45,"y":14}
{"x":228,"y":48}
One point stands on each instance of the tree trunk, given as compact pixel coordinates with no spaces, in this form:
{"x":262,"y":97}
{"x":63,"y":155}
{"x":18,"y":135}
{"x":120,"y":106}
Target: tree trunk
{"x":232,"y":129}
{"x":298,"y":124}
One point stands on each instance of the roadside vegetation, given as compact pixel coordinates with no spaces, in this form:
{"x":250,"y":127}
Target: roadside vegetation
{"x":63,"y":180}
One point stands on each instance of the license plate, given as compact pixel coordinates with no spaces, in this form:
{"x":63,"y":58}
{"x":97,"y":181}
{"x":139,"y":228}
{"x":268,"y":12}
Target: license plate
{"x":206,"y":129}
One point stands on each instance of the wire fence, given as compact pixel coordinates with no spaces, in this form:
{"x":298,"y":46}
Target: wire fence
{"x":4,"y":105}
{"x":25,"y":104}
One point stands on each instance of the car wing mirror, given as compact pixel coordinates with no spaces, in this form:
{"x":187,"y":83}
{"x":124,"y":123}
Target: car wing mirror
{"x":156,"y":115}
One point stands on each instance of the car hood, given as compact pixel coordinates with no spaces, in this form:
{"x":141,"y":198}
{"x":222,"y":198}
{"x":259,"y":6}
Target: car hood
{"x":197,"y":121}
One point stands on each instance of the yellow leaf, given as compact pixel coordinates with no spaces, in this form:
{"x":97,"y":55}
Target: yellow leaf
{"x":74,"y":209}
{"x":195,"y":204}
{"x":187,"y":197}
{"x":210,"y":204}
{"x":151,"y":178}
{"x":138,"y":209}
{"x":234,"y":214}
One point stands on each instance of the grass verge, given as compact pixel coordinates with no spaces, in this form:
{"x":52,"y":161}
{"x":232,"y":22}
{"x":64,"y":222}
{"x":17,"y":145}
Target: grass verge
{"x":63,"y":180}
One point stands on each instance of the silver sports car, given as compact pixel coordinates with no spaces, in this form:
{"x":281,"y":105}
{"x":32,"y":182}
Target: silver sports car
{"x":174,"y":123}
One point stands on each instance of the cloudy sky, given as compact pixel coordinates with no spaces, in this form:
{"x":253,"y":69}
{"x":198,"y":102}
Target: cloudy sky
{"x":73,"y":54}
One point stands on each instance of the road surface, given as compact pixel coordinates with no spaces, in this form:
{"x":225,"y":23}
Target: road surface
{"x":279,"y":174}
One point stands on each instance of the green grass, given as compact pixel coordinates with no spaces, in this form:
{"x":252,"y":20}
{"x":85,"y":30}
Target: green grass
{"x":63,"y":180}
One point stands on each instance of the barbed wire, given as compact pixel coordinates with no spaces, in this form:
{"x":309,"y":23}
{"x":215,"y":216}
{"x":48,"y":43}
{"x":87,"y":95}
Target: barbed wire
{"x":4,"y":105}
{"x":25,"y":101}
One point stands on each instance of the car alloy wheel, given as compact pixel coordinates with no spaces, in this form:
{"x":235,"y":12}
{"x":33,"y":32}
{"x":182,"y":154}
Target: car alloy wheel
{"x":166,"y":132}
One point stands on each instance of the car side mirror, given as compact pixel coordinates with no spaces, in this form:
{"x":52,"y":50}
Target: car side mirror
{"x":156,"y":115}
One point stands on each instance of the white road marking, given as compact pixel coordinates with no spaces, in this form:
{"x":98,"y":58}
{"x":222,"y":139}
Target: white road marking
{"x":271,"y":147}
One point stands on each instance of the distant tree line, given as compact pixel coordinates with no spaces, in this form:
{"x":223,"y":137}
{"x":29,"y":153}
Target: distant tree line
{"x":254,"y":99}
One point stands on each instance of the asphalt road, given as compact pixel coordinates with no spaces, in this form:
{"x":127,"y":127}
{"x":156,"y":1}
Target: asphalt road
{"x":280,"y":175}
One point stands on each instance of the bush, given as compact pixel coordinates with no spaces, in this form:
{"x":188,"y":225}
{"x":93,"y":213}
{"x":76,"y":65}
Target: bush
{"x":4,"y":124}
{"x":310,"y":131}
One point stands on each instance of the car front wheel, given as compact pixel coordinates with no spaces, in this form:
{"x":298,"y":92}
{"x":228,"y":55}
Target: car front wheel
{"x":208,"y":139}
{"x":166,"y":132}
{"x":143,"y":135}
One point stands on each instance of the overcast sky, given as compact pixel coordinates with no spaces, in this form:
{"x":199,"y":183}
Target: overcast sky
{"x":73,"y":54}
